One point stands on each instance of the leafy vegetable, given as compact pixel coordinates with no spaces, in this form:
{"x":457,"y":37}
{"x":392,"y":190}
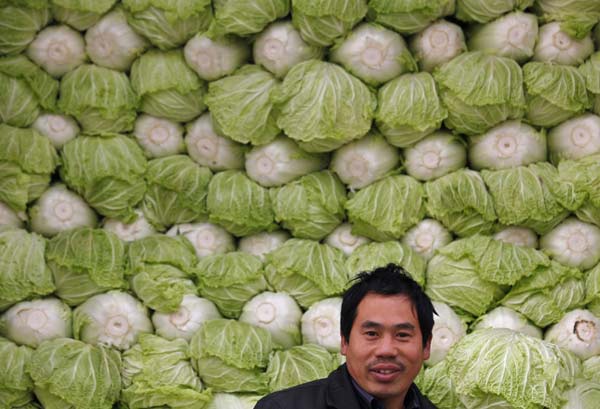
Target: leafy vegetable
{"x":24,"y":270}
{"x":323,"y":107}
{"x":19,"y":23}
{"x":157,"y":372}
{"x":241,"y":105}
{"x":411,"y":16}
{"x":426,"y":237}
{"x":231,"y":356}
{"x":22,"y":179}
{"x":575,"y":138}
{"x":577,"y":331}
{"x":214,"y":57}
{"x":310,"y":207}
{"x":483,"y":11}
{"x":437,"y":44}
{"x":177,"y":191}
{"x":57,"y":49}
{"x":167,"y":87}
{"x":573,"y":243}
{"x":321,"y":323}
{"x":85,"y":262}
{"x":108,"y":172}
{"x":343,"y":239}
{"x":80,"y":14}
{"x":380,"y":211}
{"x":555,"y":45}
{"x":503,"y":317}
{"x":405,"y":124}
{"x":31,"y":90}
{"x":67,"y":373}
{"x":436,"y":155}
{"x":230,"y":280}
{"x":183,"y":323}
{"x":243,"y":18}
{"x":158,"y":137}
{"x":260,"y":244}
{"x":480,"y":91}
{"x":102,"y":100}
{"x":60,"y":129}
{"x":307,"y":270}
{"x":239,"y":204}
{"x":577,"y":16}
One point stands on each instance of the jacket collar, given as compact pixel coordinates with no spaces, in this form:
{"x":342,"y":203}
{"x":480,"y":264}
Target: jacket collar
{"x":340,"y":393}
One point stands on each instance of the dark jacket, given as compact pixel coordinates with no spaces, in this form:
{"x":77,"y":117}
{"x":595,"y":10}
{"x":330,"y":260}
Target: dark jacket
{"x":335,"y":391}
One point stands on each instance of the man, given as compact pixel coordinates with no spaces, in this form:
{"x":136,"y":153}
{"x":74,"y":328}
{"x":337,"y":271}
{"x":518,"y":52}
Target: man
{"x":386,"y":325}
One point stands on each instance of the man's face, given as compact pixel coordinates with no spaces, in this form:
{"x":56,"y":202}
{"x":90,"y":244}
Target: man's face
{"x":385,"y":351}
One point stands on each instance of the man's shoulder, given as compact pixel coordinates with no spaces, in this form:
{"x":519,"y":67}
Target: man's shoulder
{"x":306,"y":395}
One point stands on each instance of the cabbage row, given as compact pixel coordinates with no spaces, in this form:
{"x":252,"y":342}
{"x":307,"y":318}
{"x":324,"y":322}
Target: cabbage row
{"x":187,"y":187}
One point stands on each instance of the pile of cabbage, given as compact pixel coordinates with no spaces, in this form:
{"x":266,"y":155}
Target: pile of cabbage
{"x":187,"y":187}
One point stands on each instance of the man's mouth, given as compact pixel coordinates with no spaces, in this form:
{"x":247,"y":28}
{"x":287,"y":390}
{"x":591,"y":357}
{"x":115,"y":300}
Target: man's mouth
{"x":387,"y":372}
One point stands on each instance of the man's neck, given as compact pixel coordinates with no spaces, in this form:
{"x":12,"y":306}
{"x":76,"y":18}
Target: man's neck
{"x":397,"y":402}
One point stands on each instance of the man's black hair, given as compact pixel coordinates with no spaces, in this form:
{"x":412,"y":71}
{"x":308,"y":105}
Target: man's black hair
{"x":388,"y":280}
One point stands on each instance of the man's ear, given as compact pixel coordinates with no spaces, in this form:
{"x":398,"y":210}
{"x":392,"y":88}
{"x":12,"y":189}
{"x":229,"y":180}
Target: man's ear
{"x":427,"y":349}
{"x":344,"y":345}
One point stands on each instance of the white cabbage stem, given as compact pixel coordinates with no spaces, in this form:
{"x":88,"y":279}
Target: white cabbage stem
{"x":426,"y":237}
{"x":512,"y":35}
{"x":437,"y":44}
{"x":507,"y":145}
{"x":279,"y":47}
{"x":58,"y":50}
{"x":554,"y":45}
{"x":139,"y":229}
{"x":281,"y":161}
{"x":362,"y":162}
{"x":260,"y":244}
{"x":8,"y":217}
{"x":434,"y":156}
{"x":184,"y":322}
{"x":343,"y":239}
{"x":206,"y":147}
{"x":278,"y":313}
{"x":213,"y":58}
{"x":573,"y":243}
{"x":207,"y":238}
{"x":519,"y":236}
{"x":112,"y":319}
{"x":321,"y":324}
{"x":60,"y":129}
{"x":503,"y":317}
{"x":32,"y":322}
{"x":448,"y":329}
{"x":575,"y":138}
{"x":112,"y":43}
{"x":373,"y":53}
{"x":158,"y":137}
{"x":578,"y":331}
{"x":59,"y":209}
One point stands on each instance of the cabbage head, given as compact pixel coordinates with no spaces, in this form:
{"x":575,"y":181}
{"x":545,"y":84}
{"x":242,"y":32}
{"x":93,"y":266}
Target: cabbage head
{"x":299,"y":364}
{"x":230,"y":280}
{"x":370,"y":256}
{"x":70,"y":373}
{"x":22,"y":179}
{"x":577,"y":17}
{"x":232,"y":356}
{"x":157,"y":372}
{"x":241,"y":105}
{"x":323,"y":107}
{"x":24,"y":270}
{"x":307,"y":270}
{"x":16,"y":386}
{"x":547,"y":295}
{"x":484,"y":11}
{"x":161,"y":270}
{"x":30,"y":88}
{"x":511,"y":368}
{"x":168,"y":24}
{"x":108,"y":172}
{"x":386,"y":209}
{"x":167,"y":86}
{"x":321,"y":22}
{"x":310,"y":207}
{"x":591,"y":71}
{"x":85,"y":262}
{"x":409,"y":17}
{"x":19,"y":23}
{"x":555,"y":93}
{"x":177,"y":190}
{"x":101,"y":99}
{"x":239,"y":204}
{"x":584,"y":175}
{"x":246,"y":17}
{"x":461,"y":202}
{"x":420,"y":113}
{"x":80,"y":14}
{"x":480,"y":91}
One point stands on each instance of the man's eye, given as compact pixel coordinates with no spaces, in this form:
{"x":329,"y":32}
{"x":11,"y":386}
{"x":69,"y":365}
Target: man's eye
{"x":403,"y":335}
{"x":371,"y":334}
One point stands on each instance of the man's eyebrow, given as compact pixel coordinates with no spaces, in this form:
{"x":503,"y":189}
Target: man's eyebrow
{"x":403,"y":325}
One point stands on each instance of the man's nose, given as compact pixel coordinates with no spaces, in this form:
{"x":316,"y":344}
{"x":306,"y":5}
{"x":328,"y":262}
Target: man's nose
{"x":386,"y":346}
